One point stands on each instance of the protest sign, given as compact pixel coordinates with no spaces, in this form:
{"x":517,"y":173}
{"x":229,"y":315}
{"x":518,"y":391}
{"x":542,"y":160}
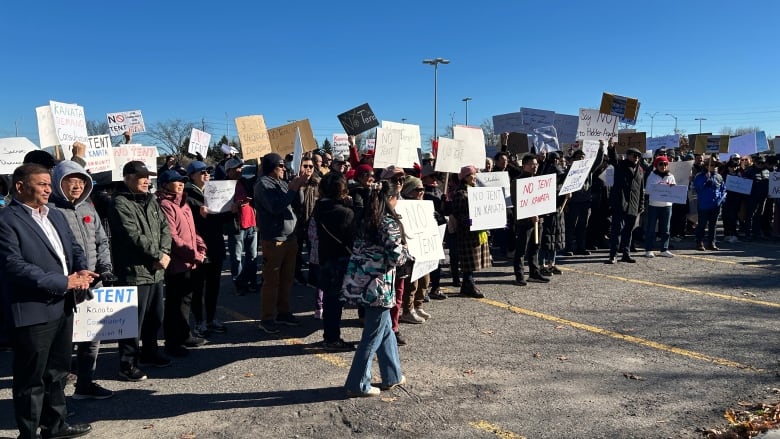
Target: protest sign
{"x":774,"y":185}
{"x":340,"y":144}
{"x":535,"y":196}
{"x":473,"y":145}
{"x":282,"y":138}
{"x":590,"y":148}
{"x":111,"y":315}
{"x":410,"y":142}
{"x":450,"y":155}
{"x":130,"y":152}
{"x":597,"y":126}
{"x":99,"y":156}
{"x":534,"y":118}
{"x":422,"y":235}
{"x":388,"y":149}
{"x":666,"y":193}
{"x":254,"y":136}
{"x":624,"y":107}
{"x":47,"y":133}
{"x":671,"y":141}
{"x":199,"y":142}
{"x":130,"y":121}
{"x":711,"y":144}
{"x":631,"y":140}
{"x":516,"y":143}
{"x":510,"y":122}
{"x":297,"y":153}
{"x":566,"y":126}
{"x":762,"y":144}
{"x":218,"y":195}
{"x":496,"y":179}
{"x":70,"y":125}
{"x":739,"y":184}
{"x":544,"y":139}
{"x":12,"y":152}
{"x":681,"y":171}
{"x":608,"y":176}
{"x":577,"y":175}
{"x":358,"y":120}
{"x":487,"y":208}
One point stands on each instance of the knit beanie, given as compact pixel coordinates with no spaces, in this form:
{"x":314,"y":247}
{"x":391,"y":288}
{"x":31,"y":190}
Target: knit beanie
{"x":410,"y":184}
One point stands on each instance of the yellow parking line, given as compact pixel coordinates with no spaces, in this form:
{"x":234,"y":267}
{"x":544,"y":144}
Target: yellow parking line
{"x":623,"y":337}
{"x":672,"y":287}
{"x":498,"y":431}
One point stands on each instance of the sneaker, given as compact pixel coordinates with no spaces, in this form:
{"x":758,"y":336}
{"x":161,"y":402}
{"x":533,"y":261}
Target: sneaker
{"x":199,"y":330}
{"x":156,"y":361}
{"x":411,"y":317}
{"x":399,"y":383}
{"x":400,"y":340}
{"x":666,"y":254}
{"x":268,"y":326}
{"x":520,"y":280}
{"x":176,"y":351}
{"x":287,"y":319}
{"x":132,"y":373}
{"x":318,"y":314}
{"x":437,"y":294}
{"x":338,"y":346}
{"x":700,"y":247}
{"x":555,"y":270}
{"x":92,"y":391}
{"x":194,"y":342}
{"x":627,"y":258}
{"x":216,"y":326}
{"x":611,"y":260}
{"x":421,"y":313}
{"x":373,"y":391}
{"x":649,"y":254}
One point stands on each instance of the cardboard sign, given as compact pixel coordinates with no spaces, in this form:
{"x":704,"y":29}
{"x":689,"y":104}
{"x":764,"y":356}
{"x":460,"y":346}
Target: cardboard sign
{"x":670,"y":142}
{"x":199,"y":142}
{"x":99,"y":156}
{"x":597,"y":126}
{"x":625,"y":108}
{"x":496,"y":179}
{"x":130,"y":121}
{"x":388,"y":149}
{"x":666,"y":193}
{"x":128,"y":153}
{"x":681,"y":172}
{"x":340,"y":144}
{"x":111,"y":315}
{"x":282,"y":138}
{"x":774,"y":185}
{"x":358,"y":120}
{"x":739,"y":184}
{"x":12,"y":152}
{"x":711,"y":144}
{"x":487,"y":208}
{"x":473,"y":140}
{"x":422,"y":235}
{"x":631,"y":140}
{"x":450,"y":155}
{"x":218,"y":195}
{"x":535,"y":196}
{"x":578,"y":174}
{"x":253,"y":134}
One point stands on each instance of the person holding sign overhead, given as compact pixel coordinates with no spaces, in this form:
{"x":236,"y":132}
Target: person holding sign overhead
{"x":626,"y":199}
{"x":473,"y":246}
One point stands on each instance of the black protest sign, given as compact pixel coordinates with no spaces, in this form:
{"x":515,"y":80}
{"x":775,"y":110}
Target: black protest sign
{"x":358,"y":120}
{"x":517,"y":143}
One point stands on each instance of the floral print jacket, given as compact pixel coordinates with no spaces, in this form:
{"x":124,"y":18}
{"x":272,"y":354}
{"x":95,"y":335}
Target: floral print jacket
{"x":370,"y":277}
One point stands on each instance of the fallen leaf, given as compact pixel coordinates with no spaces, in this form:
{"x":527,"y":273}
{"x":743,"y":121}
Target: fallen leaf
{"x":189,"y":435}
{"x":469,"y":371}
{"x":249,"y":375}
{"x":148,"y":426}
{"x":563,"y":358}
{"x":388,"y":399}
{"x":537,"y":354}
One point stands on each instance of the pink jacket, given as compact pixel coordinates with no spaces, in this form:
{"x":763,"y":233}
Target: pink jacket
{"x":187,"y":248}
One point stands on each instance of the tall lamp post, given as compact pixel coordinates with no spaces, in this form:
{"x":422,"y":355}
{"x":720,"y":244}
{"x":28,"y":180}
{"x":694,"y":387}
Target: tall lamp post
{"x":700,"y":119}
{"x":652,"y":116}
{"x":435,"y":63}
{"x":675,"y":121}
{"x":466,"y":100}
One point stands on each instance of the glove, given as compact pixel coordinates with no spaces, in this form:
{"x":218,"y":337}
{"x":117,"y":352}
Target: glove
{"x":82,"y":295}
{"x":108,"y":278}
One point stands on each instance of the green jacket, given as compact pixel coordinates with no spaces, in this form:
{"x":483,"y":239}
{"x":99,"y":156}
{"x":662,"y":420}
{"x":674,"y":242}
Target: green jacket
{"x":140,"y":235}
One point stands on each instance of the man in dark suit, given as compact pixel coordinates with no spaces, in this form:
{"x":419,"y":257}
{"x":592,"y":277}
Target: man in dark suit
{"x":44,"y":269}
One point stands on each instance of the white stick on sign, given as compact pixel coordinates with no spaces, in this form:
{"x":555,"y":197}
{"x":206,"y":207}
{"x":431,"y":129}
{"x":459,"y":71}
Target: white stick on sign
{"x":422,"y":234}
{"x":450,"y":156}
{"x":199,"y":142}
{"x":112,"y":314}
{"x":487,"y":208}
{"x":218,"y":195}
{"x":473,"y":145}
{"x":535,"y":196}
{"x":388,"y":145}
{"x":99,"y":156}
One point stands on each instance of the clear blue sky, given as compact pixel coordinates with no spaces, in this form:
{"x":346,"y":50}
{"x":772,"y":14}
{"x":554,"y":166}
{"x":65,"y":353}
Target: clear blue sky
{"x":202,"y":60}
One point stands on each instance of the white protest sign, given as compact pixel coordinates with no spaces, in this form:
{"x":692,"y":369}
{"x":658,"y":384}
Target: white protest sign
{"x":508,"y":123}
{"x":218,"y":195}
{"x":340,"y":144}
{"x":410,"y":142}
{"x":99,"y":156}
{"x":774,"y":185}
{"x":595,"y":125}
{"x":12,"y":152}
{"x":130,"y":152}
{"x":111,"y":315}
{"x":388,"y":146}
{"x":449,"y":156}
{"x":297,"y":152}
{"x":496,"y":179}
{"x":199,"y":142}
{"x":534,"y":118}
{"x":739,"y":184}
{"x":473,"y":145}
{"x":681,"y":171}
{"x":70,"y":124}
{"x":578,"y":173}
{"x":608,"y":176}
{"x":590,"y":147}
{"x":666,"y":193}
{"x":47,"y":133}
{"x":670,"y":141}
{"x":422,"y":235}
{"x":130,"y":121}
{"x":743,"y":145}
{"x":535,"y":196}
{"x":487,"y":208}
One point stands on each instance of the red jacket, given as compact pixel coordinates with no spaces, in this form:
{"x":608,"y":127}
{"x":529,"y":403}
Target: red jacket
{"x":187,"y":247}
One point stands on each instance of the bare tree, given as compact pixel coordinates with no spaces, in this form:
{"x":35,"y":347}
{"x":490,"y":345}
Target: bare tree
{"x":491,"y":138}
{"x":173,"y":136}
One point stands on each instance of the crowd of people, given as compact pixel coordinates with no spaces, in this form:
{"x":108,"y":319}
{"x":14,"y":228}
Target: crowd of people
{"x":63,"y":233}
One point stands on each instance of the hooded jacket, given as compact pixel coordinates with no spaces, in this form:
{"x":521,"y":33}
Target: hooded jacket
{"x":187,"y":248}
{"x":274,"y":203}
{"x":82,"y":217}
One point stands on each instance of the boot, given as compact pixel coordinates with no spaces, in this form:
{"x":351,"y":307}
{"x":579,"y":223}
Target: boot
{"x":469,"y":289}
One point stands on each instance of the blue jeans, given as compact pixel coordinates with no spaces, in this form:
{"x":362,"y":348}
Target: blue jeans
{"x":242,"y":246}
{"x":707,"y":218}
{"x":663,"y":216}
{"x":378,"y":337}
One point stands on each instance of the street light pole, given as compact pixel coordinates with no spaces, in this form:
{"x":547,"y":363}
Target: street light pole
{"x":466,"y":100}
{"x":435,"y":63}
{"x":652,"y":116}
{"x":675,"y":121}
{"x":700,"y":119}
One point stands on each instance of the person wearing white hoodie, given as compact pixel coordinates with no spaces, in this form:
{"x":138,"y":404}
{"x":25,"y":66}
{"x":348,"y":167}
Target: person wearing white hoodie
{"x":658,"y":212}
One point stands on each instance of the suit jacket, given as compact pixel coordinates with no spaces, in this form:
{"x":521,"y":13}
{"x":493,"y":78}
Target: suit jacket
{"x":33,"y":283}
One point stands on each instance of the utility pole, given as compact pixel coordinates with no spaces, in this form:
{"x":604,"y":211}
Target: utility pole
{"x":652,"y":116}
{"x":700,"y":119}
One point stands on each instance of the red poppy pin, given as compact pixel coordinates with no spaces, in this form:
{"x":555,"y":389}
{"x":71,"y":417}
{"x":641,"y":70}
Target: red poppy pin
{"x":87,"y":219}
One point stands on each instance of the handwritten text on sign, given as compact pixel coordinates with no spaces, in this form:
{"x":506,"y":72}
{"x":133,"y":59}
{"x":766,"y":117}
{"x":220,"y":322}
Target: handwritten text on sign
{"x":111,"y":315}
{"x":218,"y":195}
{"x":12,"y":152}
{"x":99,"y":157}
{"x":774,"y":185}
{"x":739,"y":184}
{"x":253,"y":134}
{"x":535,"y":196}
{"x":388,"y":149}
{"x":595,"y":125}
{"x":70,"y":124}
{"x":358,"y":120}
{"x":127,"y":153}
{"x":496,"y":179}
{"x":422,"y":235}
{"x":578,"y":174}
{"x":450,"y":157}
{"x":665,"y":193}
{"x":130,"y":121}
{"x":199,"y":142}
{"x":487,"y":208}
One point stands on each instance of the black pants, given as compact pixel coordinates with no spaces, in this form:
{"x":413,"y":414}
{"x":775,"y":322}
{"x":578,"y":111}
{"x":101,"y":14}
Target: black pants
{"x":576,"y":219}
{"x":620,"y":235}
{"x":526,"y":249}
{"x":178,"y":301}
{"x":205,"y":290}
{"x":150,"y":318}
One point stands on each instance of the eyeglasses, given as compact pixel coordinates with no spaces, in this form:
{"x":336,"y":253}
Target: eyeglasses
{"x":663,"y":164}
{"x":280,"y":166}
{"x":398,"y":180}
{"x":204,"y":172}
{"x":418,"y":189}
{"x":307,"y":166}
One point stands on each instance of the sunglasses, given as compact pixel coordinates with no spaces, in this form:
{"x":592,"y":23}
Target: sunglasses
{"x":418,"y":189}
{"x":398,"y":180}
{"x":204,"y":172}
{"x":280,"y":166}
{"x":663,"y":164}
{"x":307,"y":166}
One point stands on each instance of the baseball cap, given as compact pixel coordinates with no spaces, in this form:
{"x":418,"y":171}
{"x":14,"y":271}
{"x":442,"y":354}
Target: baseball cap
{"x":634,"y":151}
{"x":233,"y":163}
{"x":391,"y":171}
{"x":169,"y":176}
{"x":198,"y":166}
{"x":138,"y":168}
